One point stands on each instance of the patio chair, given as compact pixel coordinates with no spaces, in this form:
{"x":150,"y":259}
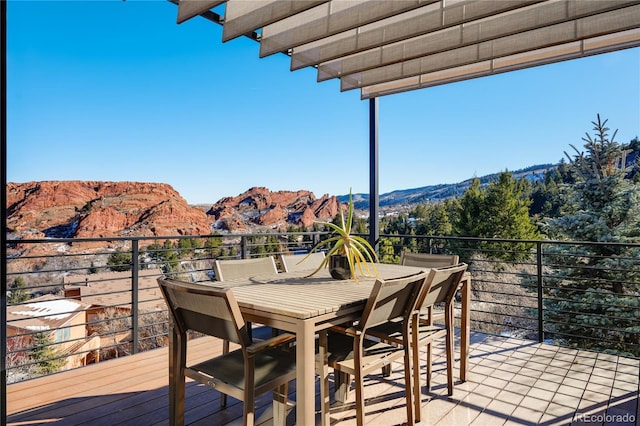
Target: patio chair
{"x":428,"y":260}
{"x":230,"y":269}
{"x":440,"y":287}
{"x":351,"y":353}
{"x":244,"y":373}
{"x":292,"y":262}
{"x":242,"y":268}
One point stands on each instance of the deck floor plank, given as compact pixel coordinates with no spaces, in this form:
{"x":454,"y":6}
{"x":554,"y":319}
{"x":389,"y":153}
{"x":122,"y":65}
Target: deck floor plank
{"x":510,"y":382}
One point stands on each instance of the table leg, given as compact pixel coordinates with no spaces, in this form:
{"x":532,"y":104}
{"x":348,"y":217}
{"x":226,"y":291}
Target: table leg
{"x":305,"y":374}
{"x":323,"y":370}
{"x":465,"y":325}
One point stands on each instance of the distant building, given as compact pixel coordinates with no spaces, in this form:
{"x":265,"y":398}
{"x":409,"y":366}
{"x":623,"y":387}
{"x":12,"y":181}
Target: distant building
{"x":64,"y":323}
{"x":113,"y":290}
{"x":75,"y":323}
{"x":109,"y":295}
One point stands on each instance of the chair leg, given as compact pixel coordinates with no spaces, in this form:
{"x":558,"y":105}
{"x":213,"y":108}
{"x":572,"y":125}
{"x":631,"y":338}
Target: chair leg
{"x":429,"y":322}
{"x":178,"y":348}
{"x":386,"y":370}
{"x":223,"y":396}
{"x":360,"y":406}
{"x":407,"y":386}
{"x":342,"y":384}
{"x":359,"y":381}
{"x":415,"y":363}
{"x":249,"y":407}
{"x":280,"y":405}
{"x":249,"y":414}
{"x":449,"y":348}
{"x":429,"y":367}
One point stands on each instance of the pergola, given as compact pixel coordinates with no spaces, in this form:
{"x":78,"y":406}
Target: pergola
{"x":384,"y":47}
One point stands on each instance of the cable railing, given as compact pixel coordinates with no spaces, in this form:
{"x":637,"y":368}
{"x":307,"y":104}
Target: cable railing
{"x":73,"y":302}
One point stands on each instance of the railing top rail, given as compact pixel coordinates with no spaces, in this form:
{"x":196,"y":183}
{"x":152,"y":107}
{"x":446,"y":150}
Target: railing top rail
{"x":181,"y":237}
{"x":506,"y":240}
{"x":158,"y":237}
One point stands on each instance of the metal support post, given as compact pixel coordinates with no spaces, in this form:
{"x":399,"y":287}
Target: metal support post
{"x":374,"y":197}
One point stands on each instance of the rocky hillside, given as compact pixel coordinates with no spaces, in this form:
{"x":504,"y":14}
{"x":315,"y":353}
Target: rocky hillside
{"x":262,"y":208}
{"x":81,"y":209}
{"x":84,"y":209}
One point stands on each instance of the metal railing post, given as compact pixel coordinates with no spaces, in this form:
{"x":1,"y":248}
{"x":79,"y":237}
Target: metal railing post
{"x":540,"y":289}
{"x":243,"y":247}
{"x":4,"y":285}
{"x":135,"y":267}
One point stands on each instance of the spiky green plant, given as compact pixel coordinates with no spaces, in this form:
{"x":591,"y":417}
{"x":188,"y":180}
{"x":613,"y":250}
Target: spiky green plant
{"x":359,"y":253}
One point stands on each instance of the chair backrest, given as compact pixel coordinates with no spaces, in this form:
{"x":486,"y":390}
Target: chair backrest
{"x":294,"y":263}
{"x":428,"y":260}
{"x":244,"y":268}
{"x":205,"y":309}
{"x":391,"y":299}
{"x":441,"y":285}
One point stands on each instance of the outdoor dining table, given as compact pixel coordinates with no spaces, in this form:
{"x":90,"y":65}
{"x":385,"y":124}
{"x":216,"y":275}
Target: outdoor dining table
{"x":305,"y":306}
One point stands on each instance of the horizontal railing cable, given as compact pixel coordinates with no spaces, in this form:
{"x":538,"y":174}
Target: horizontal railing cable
{"x":533,"y":289}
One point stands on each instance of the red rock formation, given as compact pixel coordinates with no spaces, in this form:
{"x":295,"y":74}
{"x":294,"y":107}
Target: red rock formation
{"x":326,"y":207}
{"x":87,"y":209}
{"x":83,"y":209}
{"x":78,"y":209}
{"x":233,"y":224}
{"x":274,"y":216}
{"x":102,"y":222}
{"x":308,"y":217}
{"x":278,"y":209}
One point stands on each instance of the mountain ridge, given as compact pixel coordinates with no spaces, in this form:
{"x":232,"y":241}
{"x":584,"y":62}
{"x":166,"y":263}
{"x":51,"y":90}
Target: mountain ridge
{"x":86,"y":209}
{"x":103,"y":209}
{"x":440,"y":192}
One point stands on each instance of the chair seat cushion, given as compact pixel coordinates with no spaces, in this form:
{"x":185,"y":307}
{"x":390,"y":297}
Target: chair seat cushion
{"x":341,"y":355}
{"x":271,"y":364}
{"x":392,"y":331}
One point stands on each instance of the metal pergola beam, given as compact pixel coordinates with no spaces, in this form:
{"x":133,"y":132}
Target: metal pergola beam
{"x":374,"y":193}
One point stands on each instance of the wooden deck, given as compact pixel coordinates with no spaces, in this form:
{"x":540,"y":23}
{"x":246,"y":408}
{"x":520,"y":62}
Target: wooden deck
{"x":510,"y":382}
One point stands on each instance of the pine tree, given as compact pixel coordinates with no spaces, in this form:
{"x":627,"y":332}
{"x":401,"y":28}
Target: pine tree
{"x":387,"y":250}
{"x":212,"y":246}
{"x":184,"y":248}
{"x":500,"y":210}
{"x":18,"y":294}
{"x":119,"y":261}
{"x":469,"y":221}
{"x":435,"y":221}
{"x":169,"y":256}
{"x":597,"y":295}
{"x":45,"y":355}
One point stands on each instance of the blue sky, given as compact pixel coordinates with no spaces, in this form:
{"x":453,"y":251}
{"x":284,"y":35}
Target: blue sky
{"x":117,"y":91}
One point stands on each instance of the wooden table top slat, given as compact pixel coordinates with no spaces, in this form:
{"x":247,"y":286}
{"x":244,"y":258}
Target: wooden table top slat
{"x":312,"y":296}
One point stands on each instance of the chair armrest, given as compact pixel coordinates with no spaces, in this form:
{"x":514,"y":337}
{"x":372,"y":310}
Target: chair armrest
{"x":278,"y":340}
{"x":350,"y":331}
